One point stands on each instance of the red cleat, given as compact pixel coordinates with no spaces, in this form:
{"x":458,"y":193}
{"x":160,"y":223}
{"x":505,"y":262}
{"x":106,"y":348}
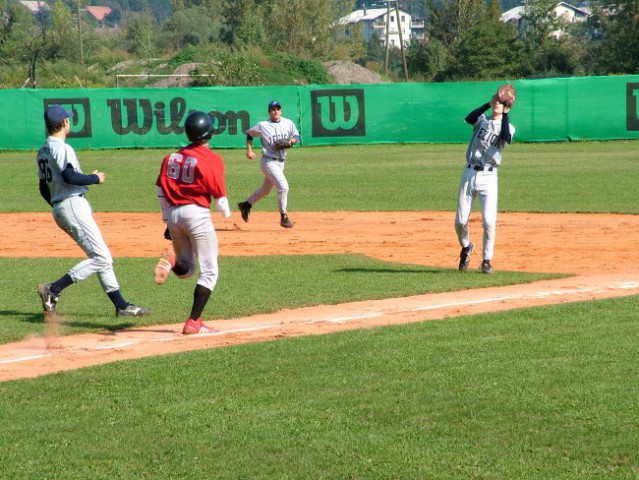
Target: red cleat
{"x":192,"y":327}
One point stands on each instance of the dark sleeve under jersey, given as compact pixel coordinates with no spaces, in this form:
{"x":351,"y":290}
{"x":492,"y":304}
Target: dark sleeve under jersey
{"x":473,"y":116}
{"x":75,"y":178}
{"x":44,"y":191}
{"x":505,"y":134}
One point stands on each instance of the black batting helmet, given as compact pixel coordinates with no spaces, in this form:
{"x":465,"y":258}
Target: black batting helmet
{"x":198,"y":126}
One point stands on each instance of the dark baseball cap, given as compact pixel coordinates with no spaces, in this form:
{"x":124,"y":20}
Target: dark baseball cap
{"x":274,"y":104}
{"x":55,"y":115}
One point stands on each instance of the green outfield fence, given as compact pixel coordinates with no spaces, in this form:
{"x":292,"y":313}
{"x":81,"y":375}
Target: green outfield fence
{"x":551,"y":109}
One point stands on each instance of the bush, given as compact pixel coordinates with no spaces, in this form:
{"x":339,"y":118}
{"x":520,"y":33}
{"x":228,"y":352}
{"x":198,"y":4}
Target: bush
{"x":230,"y":70}
{"x":301,"y":69}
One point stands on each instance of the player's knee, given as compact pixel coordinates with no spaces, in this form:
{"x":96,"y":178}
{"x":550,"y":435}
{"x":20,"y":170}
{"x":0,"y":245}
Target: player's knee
{"x":186,"y":272}
{"x":208,"y":280}
{"x":102,"y":262}
{"x":461,"y":227}
{"x":283,"y":189}
{"x":489,"y":229}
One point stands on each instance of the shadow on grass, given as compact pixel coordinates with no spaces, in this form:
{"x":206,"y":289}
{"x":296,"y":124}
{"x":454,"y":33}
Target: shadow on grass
{"x":390,"y":270}
{"x":29,"y":317}
{"x":39,"y":318}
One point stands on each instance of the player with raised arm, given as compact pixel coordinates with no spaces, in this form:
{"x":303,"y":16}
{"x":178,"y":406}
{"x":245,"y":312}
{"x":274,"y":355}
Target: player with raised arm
{"x":490,"y":136}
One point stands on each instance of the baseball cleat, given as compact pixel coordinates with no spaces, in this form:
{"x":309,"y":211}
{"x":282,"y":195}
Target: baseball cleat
{"x":464,"y":256}
{"x":486,"y":267}
{"x":245,"y":210}
{"x":285,"y":222}
{"x":132,"y":311}
{"x":49,"y":300}
{"x":164,"y":266}
{"x":192,"y":327}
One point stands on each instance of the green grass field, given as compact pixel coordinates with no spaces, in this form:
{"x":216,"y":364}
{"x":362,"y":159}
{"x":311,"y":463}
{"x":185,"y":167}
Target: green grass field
{"x":544,"y":393}
{"x":564,"y":177}
{"x":284,"y":282}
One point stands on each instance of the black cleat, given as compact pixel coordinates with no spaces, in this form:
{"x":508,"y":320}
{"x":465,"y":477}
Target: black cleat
{"x":49,"y":300}
{"x":132,"y":311}
{"x":486,"y":268}
{"x":464,"y":256}
{"x":285,"y":222}
{"x":245,"y":210}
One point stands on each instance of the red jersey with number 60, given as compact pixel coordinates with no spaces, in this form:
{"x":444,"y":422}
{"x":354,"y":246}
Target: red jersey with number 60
{"x":192,"y":175}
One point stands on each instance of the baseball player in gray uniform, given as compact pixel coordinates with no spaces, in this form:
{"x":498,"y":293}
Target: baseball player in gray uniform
{"x":490,"y":136}
{"x":63,"y":186}
{"x":277,"y":135}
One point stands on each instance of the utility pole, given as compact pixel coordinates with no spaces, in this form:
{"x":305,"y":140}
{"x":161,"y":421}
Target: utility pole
{"x":401,"y":40}
{"x":387,"y":42}
{"x":81,"y":46}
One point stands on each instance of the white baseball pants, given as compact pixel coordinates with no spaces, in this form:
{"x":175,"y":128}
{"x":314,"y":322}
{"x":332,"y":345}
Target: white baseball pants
{"x":482,"y":185}
{"x":74,"y":215}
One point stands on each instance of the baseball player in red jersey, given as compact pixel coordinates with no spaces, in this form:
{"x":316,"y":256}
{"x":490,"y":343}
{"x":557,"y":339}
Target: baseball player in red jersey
{"x":188,"y":179}
{"x":490,"y":136}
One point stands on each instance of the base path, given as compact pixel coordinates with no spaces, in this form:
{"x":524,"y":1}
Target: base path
{"x":596,"y":248}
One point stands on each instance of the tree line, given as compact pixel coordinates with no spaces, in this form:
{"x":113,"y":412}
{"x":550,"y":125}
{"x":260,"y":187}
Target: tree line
{"x":253,"y":42}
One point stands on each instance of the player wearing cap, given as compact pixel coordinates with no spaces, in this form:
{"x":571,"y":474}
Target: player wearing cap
{"x":63,"y":186}
{"x":277,"y":134}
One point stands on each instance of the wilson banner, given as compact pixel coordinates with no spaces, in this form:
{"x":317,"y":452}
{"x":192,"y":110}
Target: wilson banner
{"x":547,"y":110}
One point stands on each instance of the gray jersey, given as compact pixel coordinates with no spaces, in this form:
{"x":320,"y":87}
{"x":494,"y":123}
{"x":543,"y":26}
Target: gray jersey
{"x":270,"y":132}
{"x":53,"y":157}
{"x":485,"y":145}
{"x":74,"y":215}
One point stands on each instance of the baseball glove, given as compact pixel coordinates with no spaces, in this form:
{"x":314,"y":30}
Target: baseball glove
{"x":283,"y":143}
{"x":506,"y":95}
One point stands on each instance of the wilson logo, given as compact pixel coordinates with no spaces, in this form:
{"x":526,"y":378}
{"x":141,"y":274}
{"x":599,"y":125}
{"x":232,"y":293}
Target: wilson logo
{"x":139,"y":116}
{"x":338,"y":113}
{"x":632,"y":107}
{"x":81,"y":108}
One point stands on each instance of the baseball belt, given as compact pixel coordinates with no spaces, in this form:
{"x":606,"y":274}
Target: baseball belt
{"x":481,"y":168}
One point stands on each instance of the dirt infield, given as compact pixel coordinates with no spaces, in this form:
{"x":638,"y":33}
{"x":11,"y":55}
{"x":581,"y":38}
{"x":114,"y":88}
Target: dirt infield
{"x":598,"y":249}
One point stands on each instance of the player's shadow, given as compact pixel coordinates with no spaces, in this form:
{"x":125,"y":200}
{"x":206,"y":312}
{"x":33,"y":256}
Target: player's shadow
{"x":28,"y":317}
{"x":38,"y":318}
{"x":109,"y":327}
{"x":113,"y":331}
{"x":389,"y":270}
